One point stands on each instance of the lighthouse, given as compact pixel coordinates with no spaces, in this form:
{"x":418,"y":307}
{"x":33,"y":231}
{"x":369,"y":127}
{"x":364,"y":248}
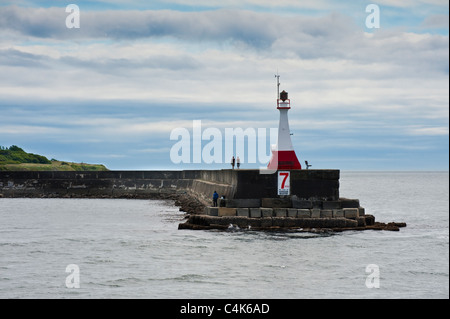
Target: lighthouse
{"x":283,"y":156}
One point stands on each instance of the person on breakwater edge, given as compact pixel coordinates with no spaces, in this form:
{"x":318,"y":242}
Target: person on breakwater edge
{"x":215,"y":197}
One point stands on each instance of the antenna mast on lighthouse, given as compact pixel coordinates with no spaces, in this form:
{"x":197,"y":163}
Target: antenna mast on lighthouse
{"x":278,"y":85}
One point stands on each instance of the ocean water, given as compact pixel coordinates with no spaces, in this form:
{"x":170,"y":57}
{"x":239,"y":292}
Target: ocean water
{"x":117,"y":248}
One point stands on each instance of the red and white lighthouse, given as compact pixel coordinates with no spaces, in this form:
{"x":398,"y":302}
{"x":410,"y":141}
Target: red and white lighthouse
{"x":283,"y":156}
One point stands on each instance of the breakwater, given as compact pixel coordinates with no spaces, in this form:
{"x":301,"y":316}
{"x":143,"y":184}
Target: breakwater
{"x":232,"y":184}
{"x":250,"y":198}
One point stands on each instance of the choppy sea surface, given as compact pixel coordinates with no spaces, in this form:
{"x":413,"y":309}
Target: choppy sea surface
{"x":117,"y":248}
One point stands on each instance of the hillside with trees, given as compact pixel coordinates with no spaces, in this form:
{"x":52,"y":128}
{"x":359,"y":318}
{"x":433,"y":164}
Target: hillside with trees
{"x":14,"y":158}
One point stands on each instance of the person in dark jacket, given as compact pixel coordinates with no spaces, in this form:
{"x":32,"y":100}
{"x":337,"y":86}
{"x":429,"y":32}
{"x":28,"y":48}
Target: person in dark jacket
{"x":215,"y":197}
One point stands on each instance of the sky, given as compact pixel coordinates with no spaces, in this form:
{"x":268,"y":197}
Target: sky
{"x":114,"y":90}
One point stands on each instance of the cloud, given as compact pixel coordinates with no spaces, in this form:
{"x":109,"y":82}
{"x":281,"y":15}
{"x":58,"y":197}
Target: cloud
{"x":429,"y":131}
{"x":436,"y":21}
{"x":213,"y":25}
{"x":331,"y":36}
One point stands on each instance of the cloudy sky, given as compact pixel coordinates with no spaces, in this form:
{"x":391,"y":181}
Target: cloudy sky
{"x":113,"y":90}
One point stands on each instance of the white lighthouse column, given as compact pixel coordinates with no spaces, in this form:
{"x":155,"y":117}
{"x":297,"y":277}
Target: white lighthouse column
{"x":284,"y":134}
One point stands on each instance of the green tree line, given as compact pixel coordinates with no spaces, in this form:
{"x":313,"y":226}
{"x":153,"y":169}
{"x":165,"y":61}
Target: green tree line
{"x":16,"y":155}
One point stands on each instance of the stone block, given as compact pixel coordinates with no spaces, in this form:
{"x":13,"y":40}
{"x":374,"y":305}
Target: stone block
{"x":331,"y":204}
{"x":338,"y":213}
{"x":304,"y":213}
{"x":278,"y":221}
{"x":292,"y":212}
{"x":266,"y":212}
{"x":280,"y":212}
{"x":349,"y":203}
{"x":244,"y":203}
{"x":301,"y":204}
{"x":255,"y":212}
{"x":253,"y":222}
{"x":326,"y":213}
{"x":242,"y":212}
{"x":241,"y":221}
{"x":362,"y":211}
{"x":370,"y":220}
{"x":315,"y":213}
{"x":276,"y":202}
{"x":361,"y":221}
{"x":266,"y":222}
{"x":225,"y":211}
{"x":289,"y":222}
{"x":351,"y":213}
{"x":283,"y":222}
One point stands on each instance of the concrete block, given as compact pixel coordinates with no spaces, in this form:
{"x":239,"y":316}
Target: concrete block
{"x":351,"y":213}
{"x":225,"y":211}
{"x":255,"y":212}
{"x":315,"y":213}
{"x":331,"y":204}
{"x":349,"y":203}
{"x":326,"y":213}
{"x":338,"y":213}
{"x":280,"y":212}
{"x":212,"y":211}
{"x":301,"y":204}
{"x":276,"y":202}
{"x":292,"y":212}
{"x":266,"y":212}
{"x":244,"y":203}
{"x":317,"y":204}
{"x":304,"y":213}
{"x":242,"y":212}
{"x":362,"y":211}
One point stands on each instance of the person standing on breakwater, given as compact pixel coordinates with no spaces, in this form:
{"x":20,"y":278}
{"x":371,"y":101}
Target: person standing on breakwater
{"x":215,"y":197}
{"x":232,"y":162}
{"x":238,"y":162}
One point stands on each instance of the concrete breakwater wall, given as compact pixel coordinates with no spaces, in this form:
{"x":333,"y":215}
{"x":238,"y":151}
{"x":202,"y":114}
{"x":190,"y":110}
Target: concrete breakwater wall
{"x":93,"y":184}
{"x":239,"y":184}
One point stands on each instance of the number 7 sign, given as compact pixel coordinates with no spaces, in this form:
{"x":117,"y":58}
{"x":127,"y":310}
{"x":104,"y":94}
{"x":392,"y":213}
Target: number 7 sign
{"x":284,"y":182}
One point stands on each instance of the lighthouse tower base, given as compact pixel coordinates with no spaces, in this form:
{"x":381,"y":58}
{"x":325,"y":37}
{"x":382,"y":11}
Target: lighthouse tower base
{"x":284,"y":160}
